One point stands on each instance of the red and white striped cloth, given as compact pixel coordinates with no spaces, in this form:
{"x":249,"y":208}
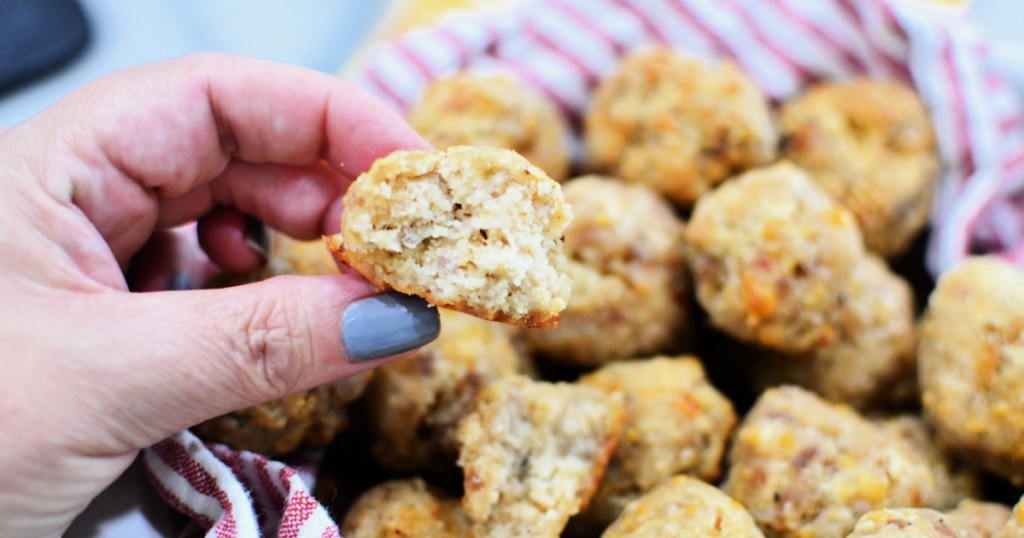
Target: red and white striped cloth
{"x":563,"y":47}
{"x":234,"y":494}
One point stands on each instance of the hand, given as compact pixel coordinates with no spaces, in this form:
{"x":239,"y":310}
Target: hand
{"x":91,"y":373}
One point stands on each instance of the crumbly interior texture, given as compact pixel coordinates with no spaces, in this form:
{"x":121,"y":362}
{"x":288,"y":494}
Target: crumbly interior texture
{"x":907,"y":523}
{"x":626,"y":249}
{"x":469,"y":109}
{"x":805,"y":467}
{"x":871,"y":362}
{"x":980,"y":519}
{"x":868,"y":144}
{"x":684,"y":507}
{"x":477,"y":230}
{"x":678,"y":124}
{"x":771,"y":255}
{"x":676,"y":422}
{"x":405,"y":509}
{"x":413,"y":405}
{"x":971,"y":364}
{"x":533,"y":454}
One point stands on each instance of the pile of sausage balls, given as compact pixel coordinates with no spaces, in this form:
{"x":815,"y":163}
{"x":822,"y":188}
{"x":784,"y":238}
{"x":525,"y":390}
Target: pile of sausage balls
{"x":738,"y":358}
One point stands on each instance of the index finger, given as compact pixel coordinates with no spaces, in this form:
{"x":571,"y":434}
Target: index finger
{"x":170,"y":130}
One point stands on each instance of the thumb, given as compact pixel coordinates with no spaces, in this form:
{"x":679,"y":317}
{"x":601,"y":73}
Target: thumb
{"x":209,"y":352}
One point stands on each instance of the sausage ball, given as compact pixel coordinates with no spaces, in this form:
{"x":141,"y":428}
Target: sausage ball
{"x":684,"y":507}
{"x":626,"y":259}
{"x":405,"y":509}
{"x":871,"y":361}
{"x":907,"y":523}
{"x":678,"y":124}
{"x":954,"y":481}
{"x":533,"y":453}
{"x":805,"y":467}
{"x":470,"y":109}
{"x":771,"y":256}
{"x":1014,"y":527}
{"x":676,"y":422}
{"x":971,"y":364}
{"x":868,"y":144}
{"x":982,"y":519}
{"x":413,"y":405}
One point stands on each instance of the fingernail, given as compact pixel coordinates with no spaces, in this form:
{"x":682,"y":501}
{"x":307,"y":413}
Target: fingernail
{"x":256,"y":236}
{"x":387,"y":324}
{"x":179,"y":281}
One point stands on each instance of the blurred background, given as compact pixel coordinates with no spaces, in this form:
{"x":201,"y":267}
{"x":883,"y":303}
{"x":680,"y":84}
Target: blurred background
{"x":319,"y":34}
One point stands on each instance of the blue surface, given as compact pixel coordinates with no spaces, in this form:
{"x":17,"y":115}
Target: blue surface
{"x":320,"y":34}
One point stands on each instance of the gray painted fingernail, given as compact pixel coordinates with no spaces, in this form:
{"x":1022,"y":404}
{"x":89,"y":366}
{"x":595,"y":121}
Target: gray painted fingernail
{"x":387,"y":324}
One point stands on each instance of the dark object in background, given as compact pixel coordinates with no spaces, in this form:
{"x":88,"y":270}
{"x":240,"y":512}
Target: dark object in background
{"x":37,"y":36}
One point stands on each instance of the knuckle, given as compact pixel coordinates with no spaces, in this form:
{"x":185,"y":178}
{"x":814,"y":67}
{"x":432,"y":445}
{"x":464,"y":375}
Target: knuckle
{"x":275,"y":351}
